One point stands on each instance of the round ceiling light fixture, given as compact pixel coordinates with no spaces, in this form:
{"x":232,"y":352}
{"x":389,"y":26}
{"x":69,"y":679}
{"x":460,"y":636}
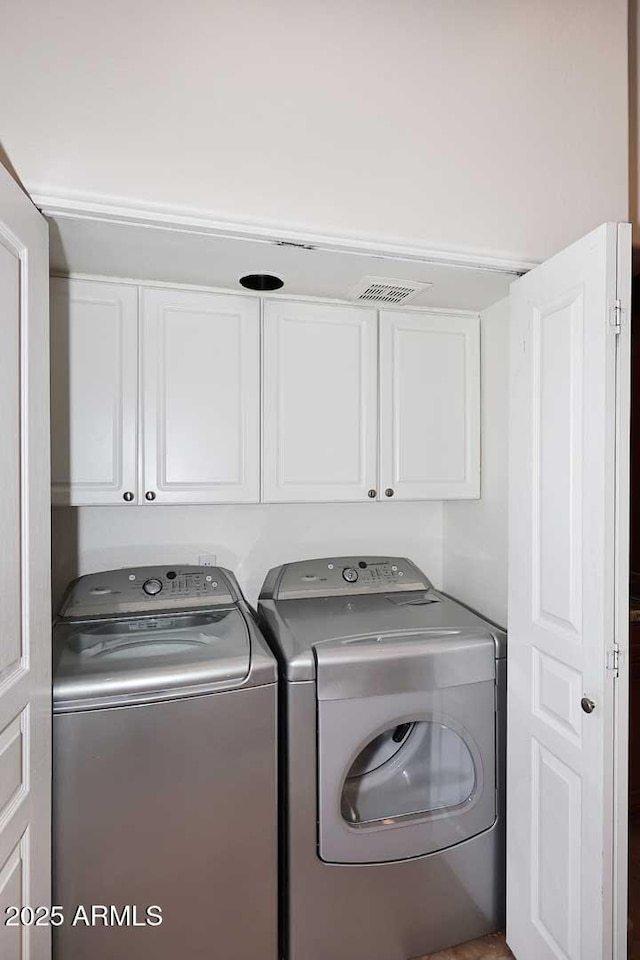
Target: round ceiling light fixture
{"x":261,"y":281}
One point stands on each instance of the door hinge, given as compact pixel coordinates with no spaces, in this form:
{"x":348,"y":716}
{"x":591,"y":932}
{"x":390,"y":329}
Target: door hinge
{"x":613,"y":659}
{"x":616,"y":316}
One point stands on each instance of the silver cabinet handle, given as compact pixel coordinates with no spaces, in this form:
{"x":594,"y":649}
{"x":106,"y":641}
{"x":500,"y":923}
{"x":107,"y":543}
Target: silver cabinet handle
{"x":128,"y":496}
{"x":371,"y":494}
{"x":587,"y":705}
{"x":388,"y":492}
{"x":150,"y":495}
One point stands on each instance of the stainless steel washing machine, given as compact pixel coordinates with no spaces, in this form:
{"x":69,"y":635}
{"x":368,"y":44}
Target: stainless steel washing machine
{"x":165,"y":773}
{"x":392,"y":747}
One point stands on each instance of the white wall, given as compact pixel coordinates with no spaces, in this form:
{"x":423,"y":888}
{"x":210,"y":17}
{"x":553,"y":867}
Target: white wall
{"x":496,"y":126}
{"x":475,"y":532}
{"x":248,"y":538}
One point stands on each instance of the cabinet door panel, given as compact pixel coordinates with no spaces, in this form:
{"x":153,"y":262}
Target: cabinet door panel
{"x":94,"y":344}
{"x":319,"y":401}
{"x":200,"y":396}
{"x":429,"y":405}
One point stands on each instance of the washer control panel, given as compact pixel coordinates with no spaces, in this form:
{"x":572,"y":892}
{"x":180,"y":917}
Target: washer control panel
{"x":152,"y":587}
{"x":338,"y":576}
{"x":145,"y":589}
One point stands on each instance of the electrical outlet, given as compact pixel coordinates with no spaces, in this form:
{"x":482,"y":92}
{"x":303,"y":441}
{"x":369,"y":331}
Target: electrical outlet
{"x":207,"y":559}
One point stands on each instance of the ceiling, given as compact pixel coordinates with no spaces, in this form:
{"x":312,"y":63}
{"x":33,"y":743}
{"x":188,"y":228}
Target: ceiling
{"x":152,"y":253}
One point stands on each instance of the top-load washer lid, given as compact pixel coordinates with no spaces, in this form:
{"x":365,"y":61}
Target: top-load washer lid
{"x":101,"y":663}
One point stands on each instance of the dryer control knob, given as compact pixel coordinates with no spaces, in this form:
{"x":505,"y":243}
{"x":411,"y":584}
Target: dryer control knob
{"x":350,"y":574}
{"x":152,"y":587}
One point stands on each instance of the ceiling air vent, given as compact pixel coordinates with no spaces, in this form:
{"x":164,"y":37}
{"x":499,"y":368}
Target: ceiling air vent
{"x":386,"y":290}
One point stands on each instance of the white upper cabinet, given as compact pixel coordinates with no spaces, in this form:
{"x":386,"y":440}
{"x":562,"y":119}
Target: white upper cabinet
{"x":319,"y":401}
{"x":429,"y":405}
{"x":156,"y":399}
{"x":200,"y":366}
{"x":94,"y":336}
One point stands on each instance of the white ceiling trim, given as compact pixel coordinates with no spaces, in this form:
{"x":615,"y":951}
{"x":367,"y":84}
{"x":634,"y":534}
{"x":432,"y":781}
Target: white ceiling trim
{"x":188,"y":220}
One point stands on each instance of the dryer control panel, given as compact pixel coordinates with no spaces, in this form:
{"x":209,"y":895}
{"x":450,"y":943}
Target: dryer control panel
{"x":147,"y":589}
{"x":340,"y":576}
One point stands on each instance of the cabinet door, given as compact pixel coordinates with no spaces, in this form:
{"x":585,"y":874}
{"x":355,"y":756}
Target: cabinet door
{"x":200,"y":356}
{"x":319,"y":401}
{"x":429,"y":405}
{"x":94,"y":350}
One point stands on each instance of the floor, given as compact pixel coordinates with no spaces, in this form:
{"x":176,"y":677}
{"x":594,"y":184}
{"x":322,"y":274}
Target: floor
{"x":492,"y":947}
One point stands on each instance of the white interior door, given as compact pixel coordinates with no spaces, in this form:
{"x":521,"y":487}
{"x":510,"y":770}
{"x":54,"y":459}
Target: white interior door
{"x":567,"y":573}
{"x":200,"y":362}
{"x":320,"y":403}
{"x":94,"y":391}
{"x":25,"y":560}
{"x":429,"y":405}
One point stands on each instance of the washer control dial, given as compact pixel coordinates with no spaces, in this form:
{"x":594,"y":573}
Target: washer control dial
{"x":350,"y":574}
{"x":152,"y":587}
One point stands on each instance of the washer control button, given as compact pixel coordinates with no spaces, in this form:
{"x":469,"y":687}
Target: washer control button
{"x":152,"y":587}
{"x":350,"y":574}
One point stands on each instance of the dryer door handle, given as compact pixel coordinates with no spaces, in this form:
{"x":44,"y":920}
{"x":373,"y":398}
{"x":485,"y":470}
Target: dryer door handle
{"x":401,"y":732}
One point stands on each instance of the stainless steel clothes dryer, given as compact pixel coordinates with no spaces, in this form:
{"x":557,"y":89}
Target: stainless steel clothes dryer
{"x":165,"y":773}
{"x":392,"y":761}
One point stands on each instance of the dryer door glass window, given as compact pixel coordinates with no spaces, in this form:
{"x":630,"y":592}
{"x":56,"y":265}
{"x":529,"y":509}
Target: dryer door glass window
{"x":405,"y":773}
{"x":411,"y":769}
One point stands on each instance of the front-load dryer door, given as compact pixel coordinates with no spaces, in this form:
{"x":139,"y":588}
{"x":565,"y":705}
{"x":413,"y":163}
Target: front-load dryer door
{"x":410,"y":771}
